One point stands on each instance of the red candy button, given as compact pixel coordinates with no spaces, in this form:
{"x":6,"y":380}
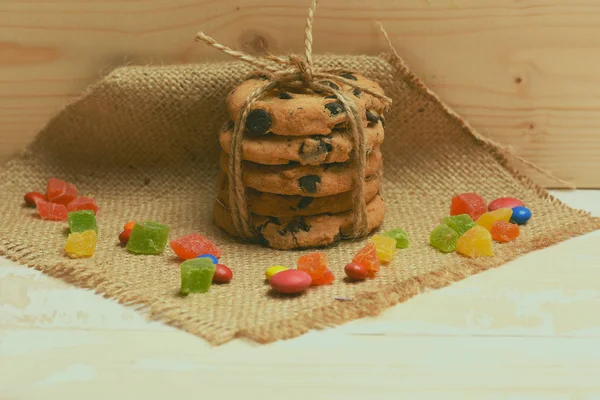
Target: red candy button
{"x":290,"y":281}
{"x":505,"y":202}
{"x":222,"y":274}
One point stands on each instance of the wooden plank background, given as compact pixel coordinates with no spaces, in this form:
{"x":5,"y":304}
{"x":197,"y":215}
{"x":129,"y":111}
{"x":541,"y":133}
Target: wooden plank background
{"x":524,"y":72}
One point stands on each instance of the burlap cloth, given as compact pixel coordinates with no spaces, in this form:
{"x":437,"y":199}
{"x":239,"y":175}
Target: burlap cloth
{"x":143,"y":141}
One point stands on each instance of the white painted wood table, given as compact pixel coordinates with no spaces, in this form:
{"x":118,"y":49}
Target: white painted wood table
{"x":529,"y":329}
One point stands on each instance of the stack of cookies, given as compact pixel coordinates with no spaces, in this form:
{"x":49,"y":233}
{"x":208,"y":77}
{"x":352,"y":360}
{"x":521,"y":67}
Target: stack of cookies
{"x":297,"y":151}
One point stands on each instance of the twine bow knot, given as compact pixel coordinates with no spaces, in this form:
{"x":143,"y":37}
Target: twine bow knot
{"x":297,"y":72}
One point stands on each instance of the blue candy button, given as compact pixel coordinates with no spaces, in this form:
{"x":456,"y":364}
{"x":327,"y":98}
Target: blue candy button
{"x":214,"y":259}
{"x":520,"y":215}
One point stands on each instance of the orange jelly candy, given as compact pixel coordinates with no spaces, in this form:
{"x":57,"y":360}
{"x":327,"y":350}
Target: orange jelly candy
{"x":503,"y":231}
{"x":314,"y":264}
{"x":191,"y":246}
{"x":51,"y":211}
{"x":326,"y":279}
{"x":468,"y":203}
{"x":61,"y":192}
{"x":367,"y":257}
{"x":83,"y":203}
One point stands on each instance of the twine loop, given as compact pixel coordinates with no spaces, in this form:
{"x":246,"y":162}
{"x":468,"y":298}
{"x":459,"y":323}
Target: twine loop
{"x":295,"y":72}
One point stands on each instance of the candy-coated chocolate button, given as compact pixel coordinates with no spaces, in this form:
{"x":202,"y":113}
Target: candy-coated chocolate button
{"x":520,"y":215}
{"x":209,"y":256}
{"x":504,"y":202}
{"x":290,"y":281}
{"x":222,"y":274}
{"x":356,"y":271}
{"x":274,"y":270}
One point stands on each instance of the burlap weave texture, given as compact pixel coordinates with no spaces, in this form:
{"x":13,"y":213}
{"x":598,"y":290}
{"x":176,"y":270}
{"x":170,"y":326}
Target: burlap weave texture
{"x":143,"y":141}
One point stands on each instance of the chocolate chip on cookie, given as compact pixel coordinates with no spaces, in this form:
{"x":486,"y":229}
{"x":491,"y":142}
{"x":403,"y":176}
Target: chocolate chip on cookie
{"x":305,"y":202}
{"x":382,"y":120}
{"x":349,"y":76}
{"x":308,"y":183}
{"x":356,"y":92}
{"x":316,"y":147}
{"x":335,"y":108}
{"x":330,"y":84}
{"x":372,"y":117}
{"x":258,"y":122}
{"x":285,"y":96}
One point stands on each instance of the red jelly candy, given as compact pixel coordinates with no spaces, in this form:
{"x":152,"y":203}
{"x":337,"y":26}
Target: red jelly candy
{"x":32,"y":197}
{"x":290,"y":281}
{"x":503,"y":231}
{"x":191,"y":246}
{"x":367,"y":257}
{"x":61,"y":192}
{"x":51,"y":211}
{"x":325,"y":279}
{"x":468,"y":203}
{"x":505,"y":202}
{"x":83,"y":203}
{"x":222,"y":274}
{"x":314,"y":264}
{"x":356,"y":271}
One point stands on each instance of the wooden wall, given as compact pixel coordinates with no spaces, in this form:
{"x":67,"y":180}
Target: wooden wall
{"x":524,"y":72}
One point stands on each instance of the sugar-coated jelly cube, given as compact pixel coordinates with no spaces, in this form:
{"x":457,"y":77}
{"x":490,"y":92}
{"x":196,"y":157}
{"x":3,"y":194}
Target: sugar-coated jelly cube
{"x":60,"y":192}
{"x":81,"y":244}
{"x":460,"y":223}
{"x":487,"y":219}
{"x":196,"y":275}
{"x":191,"y":246}
{"x":314,"y":264}
{"x":325,"y":279}
{"x":468,"y":203}
{"x":475,"y":243}
{"x":385,"y":247}
{"x":83,"y":203}
{"x":148,"y":238}
{"x":367,"y":257}
{"x":443,"y":238}
{"x":399,"y":235}
{"x":503,"y":231}
{"x":51,"y":211}
{"x":81,"y":221}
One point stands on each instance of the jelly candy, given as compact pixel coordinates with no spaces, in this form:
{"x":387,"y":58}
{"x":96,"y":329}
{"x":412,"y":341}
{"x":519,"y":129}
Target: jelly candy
{"x":314,"y":264}
{"x":443,"y":238}
{"x":81,"y":244}
{"x":83,"y":203}
{"x":460,"y":223}
{"x":290,"y":281}
{"x":61,"y":192}
{"x":356,"y":271}
{"x":196,"y":275}
{"x":148,"y":238}
{"x":504,"y":202}
{"x":51,"y":211}
{"x":325,"y":279}
{"x":385,"y":247}
{"x":520,"y":215}
{"x":210,"y":257}
{"x":476,"y":242}
{"x":487,"y":219}
{"x":222,"y":274}
{"x":32,"y":197}
{"x":367,"y":257}
{"x":81,"y":221}
{"x":129,"y":225}
{"x":124,"y":236}
{"x":191,"y":246}
{"x":503,"y":231}
{"x":468,"y":203}
{"x":399,"y":235}
{"x":271,"y":271}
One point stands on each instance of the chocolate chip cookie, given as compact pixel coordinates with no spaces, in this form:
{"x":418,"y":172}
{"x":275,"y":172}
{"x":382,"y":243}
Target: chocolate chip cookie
{"x":304,"y":180}
{"x":306,"y":150}
{"x":276,"y":205}
{"x":302,"y":232}
{"x":303,"y":112}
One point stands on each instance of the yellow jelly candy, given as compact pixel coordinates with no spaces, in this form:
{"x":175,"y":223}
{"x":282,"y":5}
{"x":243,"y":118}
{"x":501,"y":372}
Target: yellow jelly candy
{"x":273,"y":270}
{"x":476,"y":242}
{"x":385,"y":247}
{"x":488,"y":219}
{"x":81,"y":244}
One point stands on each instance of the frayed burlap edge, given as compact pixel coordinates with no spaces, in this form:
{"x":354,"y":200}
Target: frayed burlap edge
{"x":367,"y":304}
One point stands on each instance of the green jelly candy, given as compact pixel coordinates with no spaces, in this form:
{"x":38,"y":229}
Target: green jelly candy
{"x":196,"y":275}
{"x":148,"y":238}
{"x":399,"y":235}
{"x":81,"y":221}
{"x":460,"y":223}
{"x":444,"y":238}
